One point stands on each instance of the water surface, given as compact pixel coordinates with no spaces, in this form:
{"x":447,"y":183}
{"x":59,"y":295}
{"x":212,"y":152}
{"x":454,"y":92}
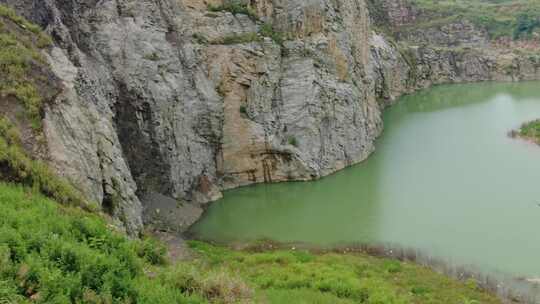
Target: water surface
{"x":445,"y":179}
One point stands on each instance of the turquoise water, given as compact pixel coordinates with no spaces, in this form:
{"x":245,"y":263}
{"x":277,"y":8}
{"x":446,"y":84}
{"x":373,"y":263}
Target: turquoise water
{"x":445,"y":179}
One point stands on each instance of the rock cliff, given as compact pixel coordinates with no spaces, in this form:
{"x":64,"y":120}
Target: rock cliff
{"x":166,"y":103}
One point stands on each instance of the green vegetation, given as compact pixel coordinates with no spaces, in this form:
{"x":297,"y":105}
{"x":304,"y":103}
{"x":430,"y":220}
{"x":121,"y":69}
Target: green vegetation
{"x":58,"y":253}
{"x":293,"y":141}
{"x":152,"y":56}
{"x":200,"y":39}
{"x":16,"y":166}
{"x":243,"y":109}
{"x":296,"y":276}
{"x":501,"y":18}
{"x":235,"y":7}
{"x":529,"y":130}
{"x":22,"y":79}
{"x":20,"y":62}
{"x":238,"y":39}
{"x":70,"y":256}
{"x":267,"y":30}
{"x":52,"y":255}
{"x":10,"y":14}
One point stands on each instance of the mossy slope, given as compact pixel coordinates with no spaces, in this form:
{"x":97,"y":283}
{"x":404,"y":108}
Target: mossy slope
{"x":26,"y":83}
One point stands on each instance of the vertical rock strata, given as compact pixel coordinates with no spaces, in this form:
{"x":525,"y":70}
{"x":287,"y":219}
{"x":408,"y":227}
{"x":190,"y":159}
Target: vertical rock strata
{"x":166,"y":102}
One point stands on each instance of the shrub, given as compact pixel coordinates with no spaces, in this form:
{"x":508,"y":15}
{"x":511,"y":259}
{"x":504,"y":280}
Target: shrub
{"x":243,"y":109}
{"x":234,"y":7}
{"x":267,"y":30}
{"x":238,"y":39}
{"x":200,"y":39}
{"x":293,"y":141}
{"x":152,"y":251}
{"x":526,"y":24}
{"x":152,"y":56}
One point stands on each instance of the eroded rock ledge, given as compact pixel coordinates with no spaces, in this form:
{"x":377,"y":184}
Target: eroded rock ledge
{"x":167,"y":101}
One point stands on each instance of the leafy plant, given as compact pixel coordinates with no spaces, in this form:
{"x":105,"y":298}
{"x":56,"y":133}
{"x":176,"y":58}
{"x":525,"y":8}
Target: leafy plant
{"x":293,"y":141}
{"x":238,"y":39}
{"x":267,"y":30}
{"x":243,"y":109}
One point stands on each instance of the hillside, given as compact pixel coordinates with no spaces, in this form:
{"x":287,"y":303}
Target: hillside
{"x":516,"y":19}
{"x":124,"y":117}
{"x":70,"y":256}
{"x":500,"y":19}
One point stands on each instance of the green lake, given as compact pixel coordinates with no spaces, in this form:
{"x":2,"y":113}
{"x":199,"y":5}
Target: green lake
{"x":445,"y":179}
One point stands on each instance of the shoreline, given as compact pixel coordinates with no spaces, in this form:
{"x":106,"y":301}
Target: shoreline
{"x":509,"y":288}
{"x":503,"y":287}
{"x":529,"y":131}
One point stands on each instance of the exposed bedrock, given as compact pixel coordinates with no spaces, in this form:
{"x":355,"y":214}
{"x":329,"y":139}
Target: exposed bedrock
{"x":166,"y":103}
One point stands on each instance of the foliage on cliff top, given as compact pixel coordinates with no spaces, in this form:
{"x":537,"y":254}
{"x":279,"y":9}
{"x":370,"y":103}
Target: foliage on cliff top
{"x":52,"y":254}
{"x":24,"y":73}
{"x":501,"y":18}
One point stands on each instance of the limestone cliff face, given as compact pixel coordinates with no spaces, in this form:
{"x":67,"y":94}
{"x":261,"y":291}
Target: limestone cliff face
{"x":166,"y":103}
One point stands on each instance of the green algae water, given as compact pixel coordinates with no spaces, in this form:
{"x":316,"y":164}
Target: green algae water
{"x":445,"y":179}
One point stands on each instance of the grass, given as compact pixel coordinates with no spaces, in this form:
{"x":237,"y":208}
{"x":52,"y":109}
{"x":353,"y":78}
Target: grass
{"x":16,"y":166}
{"x":518,"y":19}
{"x":295,"y":276}
{"x":71,"y":256}
{"x":20,"y":58}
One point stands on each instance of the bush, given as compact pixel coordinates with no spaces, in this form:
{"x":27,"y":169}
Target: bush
{"x":152,"y":251}
{"x":267,"y":30}
{"x":238,"y":39}
{"x":243,"y":109}
{"x":234,"y":7}
{"x":529,"y":130}
{"x":526,"y":24}
{"x":293,"y":141}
